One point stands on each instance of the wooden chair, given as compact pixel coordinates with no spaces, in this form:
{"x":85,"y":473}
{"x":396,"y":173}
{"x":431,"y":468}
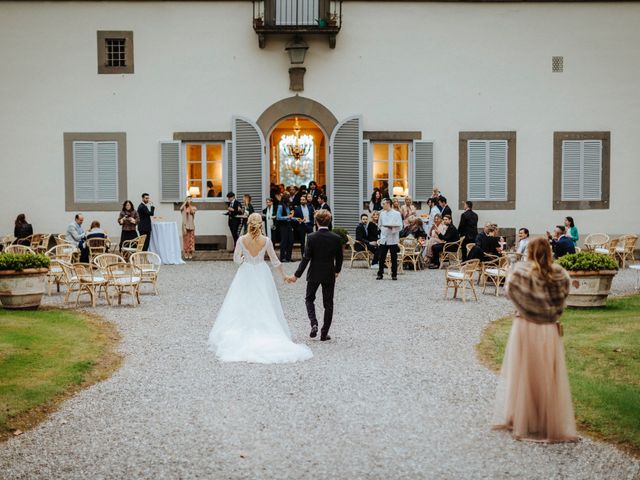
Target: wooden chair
{"x":65,"y":252}
{"x":19,"y":249}
{"x":38,"y":242}
{"x":358,"y":254}
{"x":387,"y":261}
{"x":125,"y":278}
{"x":92,"y":281}
{"x":61,"y":239}
{"x":451,"y":253}
{"x":626,"y":251}
{"x":132,"y":246}
{"x":495,"y":272}
{"x":106,"y":259}
{"x":54,"y":275}
{"x":596,"y":240}
{"x":69,"y":279}
{"x":149,"y":264}
{"x":411,"y":252}
{"x":96,"y":246}
{"x":470,"y":247}
{"x":609,"y":248}
{"x":6,"y":241}
{"x":460,"y":276}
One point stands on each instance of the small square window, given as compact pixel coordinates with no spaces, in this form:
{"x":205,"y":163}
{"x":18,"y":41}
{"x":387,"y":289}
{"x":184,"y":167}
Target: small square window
{"x":115,"y":52}
{"x":557,"y":64}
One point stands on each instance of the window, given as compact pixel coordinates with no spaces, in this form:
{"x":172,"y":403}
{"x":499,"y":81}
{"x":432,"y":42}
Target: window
{"x":581,"y":170}
{"x":204,"y":169}
{"x":95,"y":171}
{"x":115,"y":52}
{"x":487,"y":168}
{"x":390,"y":168}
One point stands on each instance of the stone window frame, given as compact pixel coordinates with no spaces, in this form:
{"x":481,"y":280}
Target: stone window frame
{"x":102,"y":36}
{"x":70,"y":204}
{"x":605,"y":178}
{"x":510,"y":202}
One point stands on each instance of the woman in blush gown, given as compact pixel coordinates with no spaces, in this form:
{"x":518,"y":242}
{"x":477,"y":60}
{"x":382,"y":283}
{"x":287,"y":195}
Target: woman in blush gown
{"x":534,"y":398}
{"x":250,"y":326}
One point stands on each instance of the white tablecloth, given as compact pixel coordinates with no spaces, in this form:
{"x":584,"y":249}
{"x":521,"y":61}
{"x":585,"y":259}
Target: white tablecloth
{"x":166,"y":242}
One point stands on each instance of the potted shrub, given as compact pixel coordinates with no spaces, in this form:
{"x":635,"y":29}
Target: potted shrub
{"x":22,"y":279}
{"x":591,"y":276}
{"x":342,"y":233}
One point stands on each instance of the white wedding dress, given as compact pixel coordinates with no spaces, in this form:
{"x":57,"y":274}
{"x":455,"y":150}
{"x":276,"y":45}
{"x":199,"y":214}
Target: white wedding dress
{"x":250,"y":326}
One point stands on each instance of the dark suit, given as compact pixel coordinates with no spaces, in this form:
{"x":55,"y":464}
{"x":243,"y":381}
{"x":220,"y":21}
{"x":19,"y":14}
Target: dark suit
{"x":144,"y":222}
{"x":327,"y":207}
{"x":233,"y":221}
{"x":285,"y":226}
{"x":468,"y":228}
{"x":485,"y":245}
{"x":23,"y":231}
{"x":324,"y":250}
{"x":562,"y":246}
{"x":302,"y":229}
{"x":446,"y":211}
{"x":373,"y":235}
{"x":450,"y":235}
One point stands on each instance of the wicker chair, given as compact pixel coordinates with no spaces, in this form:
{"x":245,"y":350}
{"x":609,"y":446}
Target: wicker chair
{"x":69,"y":279}
{"x":130,"y":247}
{"x":596,"y":240}
{"x":358,"y":254}
{"x":387,"y":261}
{"x":54,"y":275}
{"x":18,"y":249}
{"x":125,"y":278}
{"x":412,"y":253}
{"x":609,"y":248}
{"x":495,"y":272}
{"x":459,"y":277}
{"x":106,"y":259}
{"x":149,"y":264}
{"x":38,"y":242}
{"x":65,"y":253}
{"x":61,"y":239}
{"x":625,"y":252}
{"x":6,"y":241}
{"x":451,"y":253}
{"x":96,"y":246}
{"x":92,"y":281}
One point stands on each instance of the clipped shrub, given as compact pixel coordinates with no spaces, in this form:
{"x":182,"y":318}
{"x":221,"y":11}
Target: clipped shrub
{"x":23,"y":261}
{"x":342,"y":233}
{"x":587,"y":261}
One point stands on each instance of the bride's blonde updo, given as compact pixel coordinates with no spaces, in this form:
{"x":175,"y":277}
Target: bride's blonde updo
{"x":254,"y":225}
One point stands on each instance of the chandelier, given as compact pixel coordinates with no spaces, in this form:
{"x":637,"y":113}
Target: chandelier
{"x":297,"y":147}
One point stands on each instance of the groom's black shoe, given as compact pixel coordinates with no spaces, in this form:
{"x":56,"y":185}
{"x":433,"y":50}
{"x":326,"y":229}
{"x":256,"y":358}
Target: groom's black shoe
{"x":324,"y":338}
{"x":379,"y":277}
{"x":314,"y":331}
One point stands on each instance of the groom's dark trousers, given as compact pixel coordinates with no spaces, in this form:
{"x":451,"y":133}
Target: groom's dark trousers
{"x":323,"y":254}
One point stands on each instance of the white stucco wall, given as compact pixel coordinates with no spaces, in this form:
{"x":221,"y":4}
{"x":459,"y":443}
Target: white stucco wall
{"x":439,"y":68}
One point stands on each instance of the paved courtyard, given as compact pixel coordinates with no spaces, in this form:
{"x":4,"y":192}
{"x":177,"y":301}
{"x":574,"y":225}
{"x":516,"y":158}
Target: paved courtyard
{"x":397,"y":393}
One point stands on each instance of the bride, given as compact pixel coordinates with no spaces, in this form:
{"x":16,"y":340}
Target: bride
{"x":250,"y":326}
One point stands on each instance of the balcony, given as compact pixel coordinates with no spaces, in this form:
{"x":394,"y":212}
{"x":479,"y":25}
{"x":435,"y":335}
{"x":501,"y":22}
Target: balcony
{"x":297,"y":17}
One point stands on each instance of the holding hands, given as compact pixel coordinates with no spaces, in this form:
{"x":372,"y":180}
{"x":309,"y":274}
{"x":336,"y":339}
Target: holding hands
{"x":290,"y":279}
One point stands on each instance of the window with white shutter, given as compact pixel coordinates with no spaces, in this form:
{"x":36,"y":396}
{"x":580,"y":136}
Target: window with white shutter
{"x":581,"y":170}
{"x":487,"y":170}
{"x":95,"y":171}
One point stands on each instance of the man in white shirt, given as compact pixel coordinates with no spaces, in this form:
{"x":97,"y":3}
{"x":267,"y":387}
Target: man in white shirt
{"x":269,"y":215}
{"x":523,"y":234}
{"x":390,"y":224}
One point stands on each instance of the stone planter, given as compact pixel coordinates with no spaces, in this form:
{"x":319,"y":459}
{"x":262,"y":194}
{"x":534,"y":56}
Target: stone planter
{"x":590,"y":289}
{"x":24,"y":289}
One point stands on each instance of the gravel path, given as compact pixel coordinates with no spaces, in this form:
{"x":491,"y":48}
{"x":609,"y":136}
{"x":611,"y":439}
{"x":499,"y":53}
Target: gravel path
{"x":398,"y":393}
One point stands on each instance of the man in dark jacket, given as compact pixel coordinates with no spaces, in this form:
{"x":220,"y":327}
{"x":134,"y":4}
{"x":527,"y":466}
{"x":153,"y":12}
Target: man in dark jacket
{"x":468,"y":227}
{"x":444,"y":208}
{"x":303,"y":213}
{"x":323,"y":205}
{"x":450,"y":235}
{"x":146,"y":210}
{"x":560,"y":243}
{"x":324,"y":254}
{"x":363,"y":234}
{"x":234,"y":210}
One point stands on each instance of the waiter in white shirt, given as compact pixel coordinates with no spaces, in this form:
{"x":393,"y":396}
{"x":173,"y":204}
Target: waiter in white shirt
{"x":390,"y":224}
{"x":269,"y":216}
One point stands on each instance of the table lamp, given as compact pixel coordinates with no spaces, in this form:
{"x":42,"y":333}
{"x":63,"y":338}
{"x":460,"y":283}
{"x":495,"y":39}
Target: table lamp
{"x":194,"y":192}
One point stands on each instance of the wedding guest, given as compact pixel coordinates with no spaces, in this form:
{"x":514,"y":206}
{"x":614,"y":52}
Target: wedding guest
{"x":304,"y":214}
{"x":247,"y":210}
{"x":210,"y":191}
{"x":234,"y":210}
{"x":128,"y":219}
{"x":362,"y":236}
{"x":444,"y":208}
{"x":314,"y":192}
{"x":323,"y":205}
{"x":375,"y":204}
{"x":390,"y":224}
{"x":408,"y":209}
{"x":188,"y":211}
{"x":373,"y":236}
{"x":432,"y":205}
{"x":76,"y":234}
{"x":435,"y":230}
{"x":146,"y":210}
{"x":95,"y":231}
{"x":414,"y":228}
{"x":284,"y":219}
{"x":468,"y":227}
{"x":21,"y":230}
{"x":560,"y":243}
{"x":269,"y":217}
{"x":523,"y":243}
{"x":487,"y":243}
{"x":572,"y":230}
{"x":534,"y":397}
{"x":435,"y":194}
{"x":450,"y":235}
{"x":395,"y":204}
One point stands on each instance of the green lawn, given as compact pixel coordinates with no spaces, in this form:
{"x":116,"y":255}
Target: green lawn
{"x":603,"y":357}
{"x":46,"y":355}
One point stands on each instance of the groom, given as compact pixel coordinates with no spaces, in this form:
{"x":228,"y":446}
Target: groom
{"x":324,"y":250}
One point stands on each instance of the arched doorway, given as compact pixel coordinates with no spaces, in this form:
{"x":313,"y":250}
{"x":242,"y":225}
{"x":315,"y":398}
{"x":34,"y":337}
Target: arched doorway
{"x":297,"y":149}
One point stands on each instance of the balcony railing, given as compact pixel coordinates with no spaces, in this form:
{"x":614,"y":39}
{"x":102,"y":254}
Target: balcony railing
{"x":322,"y":17}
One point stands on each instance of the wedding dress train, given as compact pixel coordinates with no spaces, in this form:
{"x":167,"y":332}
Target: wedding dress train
{"x":250,"y":326}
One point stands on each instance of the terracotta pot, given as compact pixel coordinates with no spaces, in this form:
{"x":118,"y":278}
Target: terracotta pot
{"x":590,"y":289}
{"x":24,"y":289}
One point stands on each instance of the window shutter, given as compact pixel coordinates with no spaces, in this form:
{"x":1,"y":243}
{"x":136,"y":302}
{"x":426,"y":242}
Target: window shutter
{"x":171,"y":185}
{"x":346,"y":173}
{"x":84,"y":174}
{"x":107,"y":171}
{"x":366,"y":188}
{"x":228,"y":169}
{"x":248,"y":148}
{"x":571,"y":150}
{"x":423,"y":170}
{"x":592,"y":170}
{"x":497,"y":188}
{"x":477,"y":169}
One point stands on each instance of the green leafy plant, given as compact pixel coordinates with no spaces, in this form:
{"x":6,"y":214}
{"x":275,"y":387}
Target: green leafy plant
{"x":587,"y":261}
{"x":22,"y":261}
{"x":342,"y":233}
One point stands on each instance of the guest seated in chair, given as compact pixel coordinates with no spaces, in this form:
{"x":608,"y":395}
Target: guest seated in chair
{"x":94,"y":232}
{"x":362,"y":236}
{"x":22,"y":230}
{"x":414,"y":228}
{"x":437,"y":228}
{"x":561,"y":243}
{"x":450,"y":235}
{"x":76,"y":234}
{"x":487,"y":243}
{"x":373,"y":235}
